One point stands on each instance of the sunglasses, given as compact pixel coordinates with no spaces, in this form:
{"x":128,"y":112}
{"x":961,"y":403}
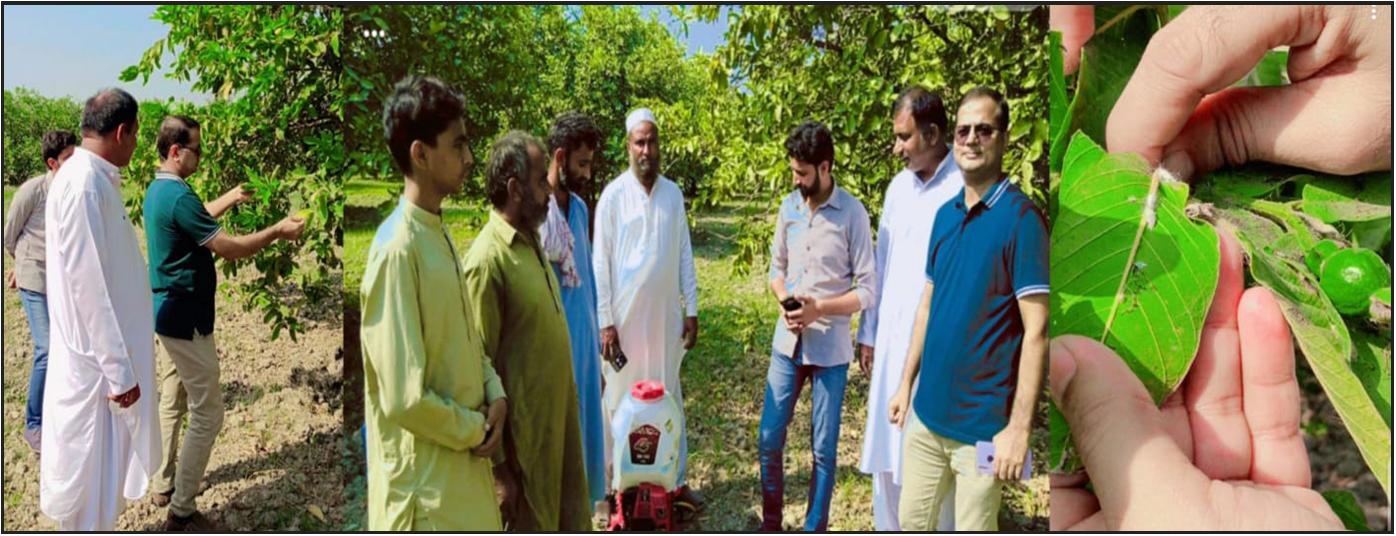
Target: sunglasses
{"x":984,"y":131}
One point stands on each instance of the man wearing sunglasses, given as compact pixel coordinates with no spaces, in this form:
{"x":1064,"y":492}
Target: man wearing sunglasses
{"x":984,"y":341}
{"x":182,"y":234}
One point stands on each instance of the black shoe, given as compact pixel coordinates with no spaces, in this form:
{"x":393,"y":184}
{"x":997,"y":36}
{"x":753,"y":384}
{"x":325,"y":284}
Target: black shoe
{"x":195,"y":522}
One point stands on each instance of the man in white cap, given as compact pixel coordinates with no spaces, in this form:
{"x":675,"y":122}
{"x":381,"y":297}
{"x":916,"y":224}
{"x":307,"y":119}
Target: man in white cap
{"x":643,"y":264}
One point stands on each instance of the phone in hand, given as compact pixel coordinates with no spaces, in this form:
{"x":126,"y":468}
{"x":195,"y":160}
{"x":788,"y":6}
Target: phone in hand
{"x":791,"y":304}
{"x":618,"y":362}
{"x":984,"y":459}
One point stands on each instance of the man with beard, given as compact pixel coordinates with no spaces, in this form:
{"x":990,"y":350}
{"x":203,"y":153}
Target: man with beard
{"x":643,"y":265}
{"x":519,"y":314}
{"x":984,"y":340}
{"x":928,"y":181}
{"x":566,"y":240}
{"x":100,"y":433}
{"x":434,"y":407}
{"x":822,"y":272}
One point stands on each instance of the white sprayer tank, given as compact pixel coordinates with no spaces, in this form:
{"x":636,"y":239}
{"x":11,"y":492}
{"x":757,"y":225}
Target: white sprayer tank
{"x":645,"y":430}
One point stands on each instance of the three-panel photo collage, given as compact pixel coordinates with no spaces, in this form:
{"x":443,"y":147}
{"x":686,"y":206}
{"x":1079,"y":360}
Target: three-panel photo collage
{"x":702,"y":268}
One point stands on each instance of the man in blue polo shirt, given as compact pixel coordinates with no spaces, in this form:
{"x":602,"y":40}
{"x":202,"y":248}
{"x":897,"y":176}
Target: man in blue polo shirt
{"x":983,"y":338}
{"x":182,"y":234}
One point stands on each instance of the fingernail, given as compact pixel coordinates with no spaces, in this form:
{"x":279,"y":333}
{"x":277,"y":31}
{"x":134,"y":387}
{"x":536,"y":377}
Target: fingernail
{"x":1179,"y":164}
{"x":1062,"y":368}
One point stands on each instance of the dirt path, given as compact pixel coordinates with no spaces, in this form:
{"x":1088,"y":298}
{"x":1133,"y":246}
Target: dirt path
{"x":277,"y":462}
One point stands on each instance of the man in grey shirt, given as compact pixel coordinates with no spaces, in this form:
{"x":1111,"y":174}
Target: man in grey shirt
{"x":822,"y":272}
{"x":24,"y":241}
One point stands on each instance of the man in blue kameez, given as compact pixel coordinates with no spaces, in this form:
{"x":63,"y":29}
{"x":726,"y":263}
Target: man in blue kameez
{"x":566,"y":238}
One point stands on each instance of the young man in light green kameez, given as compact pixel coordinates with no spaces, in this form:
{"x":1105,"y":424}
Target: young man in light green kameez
{"x":519,"y":308}
{"x":434,"y":407}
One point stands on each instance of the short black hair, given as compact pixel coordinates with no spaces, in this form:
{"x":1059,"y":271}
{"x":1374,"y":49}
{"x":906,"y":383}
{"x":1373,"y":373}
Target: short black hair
{"x":109,"y":108}
{"x":982,"y":92}
{"x":926,"y":108}
{"x":174,"y":130}
{"x":55,"y":142}
{"x":419,"y":109}
{"x":508,"y":159}
{"x":811,"y":143}
{"x":572,"y":131}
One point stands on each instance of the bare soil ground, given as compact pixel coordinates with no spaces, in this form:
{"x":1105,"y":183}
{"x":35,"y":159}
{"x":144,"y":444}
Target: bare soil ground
{"x":277,"y":465}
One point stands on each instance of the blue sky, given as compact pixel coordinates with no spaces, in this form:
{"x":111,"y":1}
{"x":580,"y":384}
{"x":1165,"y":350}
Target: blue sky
{"x":76,"y":50}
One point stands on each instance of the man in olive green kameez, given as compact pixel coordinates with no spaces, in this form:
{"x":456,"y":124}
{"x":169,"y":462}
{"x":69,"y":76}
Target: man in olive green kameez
{"x":519,"y":309}
{"x":434,"y":406}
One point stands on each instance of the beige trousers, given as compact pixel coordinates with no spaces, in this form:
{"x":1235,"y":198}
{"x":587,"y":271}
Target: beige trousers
{"x":188,"y":385}
{"x":932,"y":467}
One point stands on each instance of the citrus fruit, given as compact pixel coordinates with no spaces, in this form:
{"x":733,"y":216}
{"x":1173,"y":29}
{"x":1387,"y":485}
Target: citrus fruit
{"x":1350,"y":276}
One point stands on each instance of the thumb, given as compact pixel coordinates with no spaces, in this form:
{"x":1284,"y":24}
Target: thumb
{"x":1135,"y":466}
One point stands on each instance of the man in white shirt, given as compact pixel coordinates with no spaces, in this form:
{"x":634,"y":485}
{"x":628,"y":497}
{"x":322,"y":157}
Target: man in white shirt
{"x":929,"y":180}
{"x":643,"y":263}
{"x":100,"y":430}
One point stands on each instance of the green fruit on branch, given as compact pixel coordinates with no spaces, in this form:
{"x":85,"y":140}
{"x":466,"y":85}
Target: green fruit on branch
{"x":1350,"y":276}
{"x":1315,"y":257}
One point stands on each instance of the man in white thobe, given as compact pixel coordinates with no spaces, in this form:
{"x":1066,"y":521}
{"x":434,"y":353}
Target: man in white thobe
{"x":929,"y":180}
{"x":101,"y":436}
{"x":643,"y":263}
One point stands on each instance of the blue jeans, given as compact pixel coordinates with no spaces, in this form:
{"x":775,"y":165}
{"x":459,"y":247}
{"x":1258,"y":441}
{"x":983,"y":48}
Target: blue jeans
{"x":784,"y":381}
{"x":36,"y":308}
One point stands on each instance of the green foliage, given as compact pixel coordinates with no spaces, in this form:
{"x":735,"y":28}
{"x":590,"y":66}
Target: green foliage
{"x":275,"y":123}
{"x":1139,"y":282}
{"x":1286,"y":221}
{"x":521,"y":66}
{"x":27,"y":116}
{"x":1344,"y":504}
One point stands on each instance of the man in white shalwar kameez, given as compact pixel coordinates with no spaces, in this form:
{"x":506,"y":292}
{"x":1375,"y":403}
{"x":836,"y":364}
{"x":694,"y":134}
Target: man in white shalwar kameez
{"x":646,"y":286}
{"x":100,"y":433}
{"x":929,"y":180}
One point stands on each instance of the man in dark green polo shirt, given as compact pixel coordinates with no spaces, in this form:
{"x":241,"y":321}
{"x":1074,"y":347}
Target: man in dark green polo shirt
{"x":182,"y":234}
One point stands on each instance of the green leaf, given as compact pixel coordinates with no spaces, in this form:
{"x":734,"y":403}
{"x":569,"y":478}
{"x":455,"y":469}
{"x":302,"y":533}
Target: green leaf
{"x":1372,"y":365}
{"x":1345,"y":505}
{"x":1332,"y":204}
{"x":1271,"y":71}
{"x":1107,"y":62}
{"x":1321,"y":335}
{"x":1058,"y":107}
{"x":1061,"y":456}
{"x":1141,"y":289}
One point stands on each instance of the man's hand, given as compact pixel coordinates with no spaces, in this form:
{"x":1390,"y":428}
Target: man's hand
{"x":690,"y":332}
{"x":290,"y":228}
{"x":10,"y":280}
{"x":127,"y":398}
{"x":496,"y":416}
{"x":1223,"y":453}
{"x":610,"y":343}
{"x":808,"y":313}
{"x":1010,"y":451}
{"x":1178,"y":108}
{"x":899,"y":406}
{"x":241,"y":193}
{"x":865,"y":358}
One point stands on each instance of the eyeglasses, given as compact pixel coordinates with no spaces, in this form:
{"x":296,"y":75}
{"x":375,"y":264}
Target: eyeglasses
{"x":984,"y":131}
{"x":197,"y":150}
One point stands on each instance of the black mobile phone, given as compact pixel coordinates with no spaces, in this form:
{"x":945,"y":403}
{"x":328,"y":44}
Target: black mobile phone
{"x":619,"y":361}
{"x":791,"y":304}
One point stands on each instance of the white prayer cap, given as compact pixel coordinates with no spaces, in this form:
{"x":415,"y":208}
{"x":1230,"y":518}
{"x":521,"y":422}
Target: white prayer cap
{"x":638,"y":116}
